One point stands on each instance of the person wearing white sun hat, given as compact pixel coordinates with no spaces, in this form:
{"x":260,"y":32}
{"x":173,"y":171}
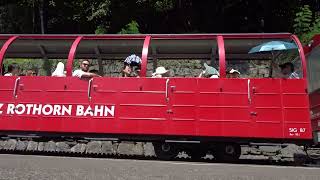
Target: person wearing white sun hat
{"x":160,"y":72}
{"x":233,"y":73}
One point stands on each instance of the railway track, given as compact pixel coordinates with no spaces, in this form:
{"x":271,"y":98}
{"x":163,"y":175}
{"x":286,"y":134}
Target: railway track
{"x":290,"y":155}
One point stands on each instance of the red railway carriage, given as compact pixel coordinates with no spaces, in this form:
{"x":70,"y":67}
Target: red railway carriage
{"x":313,"y":66}
{"x":173,"y":111}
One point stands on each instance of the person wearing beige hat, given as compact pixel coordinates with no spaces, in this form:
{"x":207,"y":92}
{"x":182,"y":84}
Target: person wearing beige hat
{"x":160,"y":72}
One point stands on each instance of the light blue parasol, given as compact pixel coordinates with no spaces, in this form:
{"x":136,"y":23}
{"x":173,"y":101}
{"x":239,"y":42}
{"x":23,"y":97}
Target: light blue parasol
{"x":271,"y":47}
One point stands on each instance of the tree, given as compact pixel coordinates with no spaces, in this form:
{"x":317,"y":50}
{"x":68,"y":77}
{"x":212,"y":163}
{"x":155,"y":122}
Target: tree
{"x":131,"y":28}
{"x":307,"y":24}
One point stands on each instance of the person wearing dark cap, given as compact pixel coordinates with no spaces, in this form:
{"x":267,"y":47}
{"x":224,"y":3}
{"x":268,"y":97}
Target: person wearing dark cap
{"x":287,"y":71}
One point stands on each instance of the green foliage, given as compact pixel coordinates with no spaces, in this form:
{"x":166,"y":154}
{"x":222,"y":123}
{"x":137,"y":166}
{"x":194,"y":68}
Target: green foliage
{"x":306,"y":24}
{"x":99,"y":10}
{"x":100,"y":30}
{"x":159,"y":5}
{"x":164,"y":5}
{"x":131,"y":28}
{"x":303,"y":20}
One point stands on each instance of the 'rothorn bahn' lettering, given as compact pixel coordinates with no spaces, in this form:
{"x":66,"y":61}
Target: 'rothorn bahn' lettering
{"x":56,"y":110}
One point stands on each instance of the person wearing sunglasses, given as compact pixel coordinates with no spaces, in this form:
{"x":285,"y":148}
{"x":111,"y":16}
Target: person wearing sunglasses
{"x":83,"y":72}
{"x":31,"y":72}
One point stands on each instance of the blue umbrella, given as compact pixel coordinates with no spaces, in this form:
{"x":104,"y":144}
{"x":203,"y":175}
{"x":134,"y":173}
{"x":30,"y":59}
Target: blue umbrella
{"x":273,"y":46}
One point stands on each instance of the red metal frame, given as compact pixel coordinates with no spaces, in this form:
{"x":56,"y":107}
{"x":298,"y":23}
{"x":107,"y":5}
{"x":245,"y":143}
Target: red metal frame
{"x":222,"y":56}
{"x":144,"y":56}
{"x":314,"y":96}
{"x":4,"y":49}
{"x":302,"y":56}
{"x":71,"y":55}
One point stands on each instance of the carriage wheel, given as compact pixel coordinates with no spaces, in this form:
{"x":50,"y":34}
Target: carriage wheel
{"x":227,"y":152}
{"x":165,"y":151}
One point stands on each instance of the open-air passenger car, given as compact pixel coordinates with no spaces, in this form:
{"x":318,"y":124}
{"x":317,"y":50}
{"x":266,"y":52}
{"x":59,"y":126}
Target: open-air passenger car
{"x":174,"y":112}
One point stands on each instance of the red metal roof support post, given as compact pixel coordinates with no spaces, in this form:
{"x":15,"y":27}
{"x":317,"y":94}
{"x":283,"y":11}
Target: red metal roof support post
{"x":144,"y":57}
{"x":4,"y":49}
{"x":301,"y":54}
{"x":71,"y":55}
{"x":222,"y":56}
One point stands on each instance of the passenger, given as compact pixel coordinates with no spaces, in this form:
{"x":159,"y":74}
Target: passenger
{"x":209,"y":72}
{"x":233,"y":74}
{"x":132,"y":66}
{"x":160,"y":72}
{"x":13,"y":70}
{"x":287,"y":71}
{"x":136,"y":71}
{"x":31,"y":72}
{"x":126,"y":71}
{"x":59,"y":72}
{"x":83,"y":72}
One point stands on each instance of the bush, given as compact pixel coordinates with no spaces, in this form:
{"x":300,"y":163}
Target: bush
{"x":131,"y":28}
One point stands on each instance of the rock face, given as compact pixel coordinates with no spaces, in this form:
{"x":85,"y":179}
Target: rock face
{"x":290,"y":153}
{"x":78,"y":148}
{"x":130,"y":148}
{"x":10,"y":144}
{"x":41,"y":146}
{"x":1,"y":144}
{"x":50,"y":146}
{"x":189,"y":68}
{"x":148,"y":149}
{"x":32,"y":146}
{"x":62,"y":147}
{"x":21,"y":145}
{"x":94,"y":147}
{"x":108,"y":147}
{"x":293,"y":153}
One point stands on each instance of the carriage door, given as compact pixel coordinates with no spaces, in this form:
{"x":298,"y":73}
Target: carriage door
{"x":103,"y":94}
{"x":181,"y":95}
{"x":72,"y":95}
{"x":29,"y":92}
{"x":7,"y":96}
{"x":141,"y":106}
{"x":266,"y":107}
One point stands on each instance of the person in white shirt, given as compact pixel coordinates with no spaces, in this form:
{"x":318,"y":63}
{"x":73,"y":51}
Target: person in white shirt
{"x":287,"y":71}
{"x":13,"y":70}
{"x":83,"y":72}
